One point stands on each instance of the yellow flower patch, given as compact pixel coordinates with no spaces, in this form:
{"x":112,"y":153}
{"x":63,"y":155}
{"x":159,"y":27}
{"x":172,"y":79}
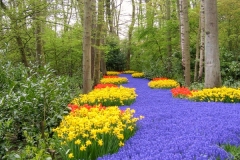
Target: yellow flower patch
{"x":138,"y":75}
{"x":129,"y":72}
{"x":95,"y":131}
{"x":112,"y":73}
{"x":222,"y":94}
{"x":165,"y":84}
{"x":112,"y":96}
{"x":119,"y":80}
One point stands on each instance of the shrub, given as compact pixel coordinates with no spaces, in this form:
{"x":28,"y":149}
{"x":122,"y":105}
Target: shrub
{"x":33,"y":100}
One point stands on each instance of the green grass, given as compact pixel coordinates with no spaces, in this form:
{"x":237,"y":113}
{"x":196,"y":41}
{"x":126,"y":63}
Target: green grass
{"x":235,"y":151}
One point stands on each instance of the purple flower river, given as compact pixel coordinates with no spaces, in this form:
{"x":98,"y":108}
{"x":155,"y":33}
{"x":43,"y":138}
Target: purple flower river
{"x":178,"y":129}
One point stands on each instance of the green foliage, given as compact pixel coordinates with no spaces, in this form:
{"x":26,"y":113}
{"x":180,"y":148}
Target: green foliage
{"x":230,"y":66}
{"x":33,"y":100}
{"x":115,"y":59}
{"x":235,"y":151}
{"x":64,"y":51}
{"x":150,"y":50}
{"x":196,"y":86}
{"x":32,"y":151}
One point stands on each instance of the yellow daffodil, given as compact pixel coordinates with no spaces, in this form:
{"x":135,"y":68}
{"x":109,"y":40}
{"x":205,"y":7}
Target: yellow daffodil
{"x":70,"y":155}
{"x":100,"y":142}
{"x":82,"y":148}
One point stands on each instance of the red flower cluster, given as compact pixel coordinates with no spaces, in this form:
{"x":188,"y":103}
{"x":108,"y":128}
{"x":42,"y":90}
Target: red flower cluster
{"x":181,"y":92}
{"x":159,"y":78}
{"x":74,"y":107}
{"x":110,"y":76}
{"x":99,"y":86}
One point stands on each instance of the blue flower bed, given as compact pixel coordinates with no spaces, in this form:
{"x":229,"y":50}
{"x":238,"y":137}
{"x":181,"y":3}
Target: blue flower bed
{"x":176,"y":129}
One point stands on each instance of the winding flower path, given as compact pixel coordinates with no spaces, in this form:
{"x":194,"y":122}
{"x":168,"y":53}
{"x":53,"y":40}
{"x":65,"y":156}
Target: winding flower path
{"x":177,"y":129}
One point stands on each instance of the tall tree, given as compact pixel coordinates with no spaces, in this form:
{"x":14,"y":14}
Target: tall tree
{"x":184,"y":25}
{"x":140,"y":13}
{"x":169,"y":38}
{"x":202,"y":41}
{"x":80,"y":10}
{"x":93,"y":37}
{"x":87,"y":86}
{"x":117,"y":17}
{"x":109,"y":13}
{"x":130,"y":32}
{"x":13,"y":16}
{"x":149,"y":13}
{"x":197,"y":52}
{"x":212,"y":62}
{"x":38,"y":31}
{"x":97,"y":59}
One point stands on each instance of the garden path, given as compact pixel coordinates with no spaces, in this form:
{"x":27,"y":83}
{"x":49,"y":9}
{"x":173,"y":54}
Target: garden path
{"x":178,"y":129}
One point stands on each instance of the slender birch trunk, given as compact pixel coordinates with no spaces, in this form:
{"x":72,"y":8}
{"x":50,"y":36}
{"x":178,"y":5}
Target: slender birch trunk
{"x":184,"y":24}
{"x":202,"y":42}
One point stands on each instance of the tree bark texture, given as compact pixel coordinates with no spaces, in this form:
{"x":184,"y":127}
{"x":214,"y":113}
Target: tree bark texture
{"x":212,"y":62}
{"x":184,"y":25}
{"x":87,"y":86}
{"x":109,"y":16}
{"x":130,"y":32}
{"x":169,"y":38}
{"x":197,"y":52}
{"x":202,"y":42}
{"x":97,"y":59}
{"x":93,"y":37}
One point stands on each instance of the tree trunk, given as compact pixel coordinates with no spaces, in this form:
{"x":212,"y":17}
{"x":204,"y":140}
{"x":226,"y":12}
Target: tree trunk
{"x":93,"y":37}
{"x":22,"y":50}
{"x":1,"y":29}
{"x":140,"y":14}
{"x":117,"y":18}
{"x":18,"y":38}
{"x":149,"y":14}
{"x":97,"y":60}
{"x":183,"y":4}
{"x":212,"y":62}
{"x":197,"y":53}
{"x":81,"y":10}
{"x":87,"y":46}
{"x":202,"y":42}
{"x":169,"y":38}
{"x":38,"y":33}
{"x":109,"y":16}
{"x":130,"y":31}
